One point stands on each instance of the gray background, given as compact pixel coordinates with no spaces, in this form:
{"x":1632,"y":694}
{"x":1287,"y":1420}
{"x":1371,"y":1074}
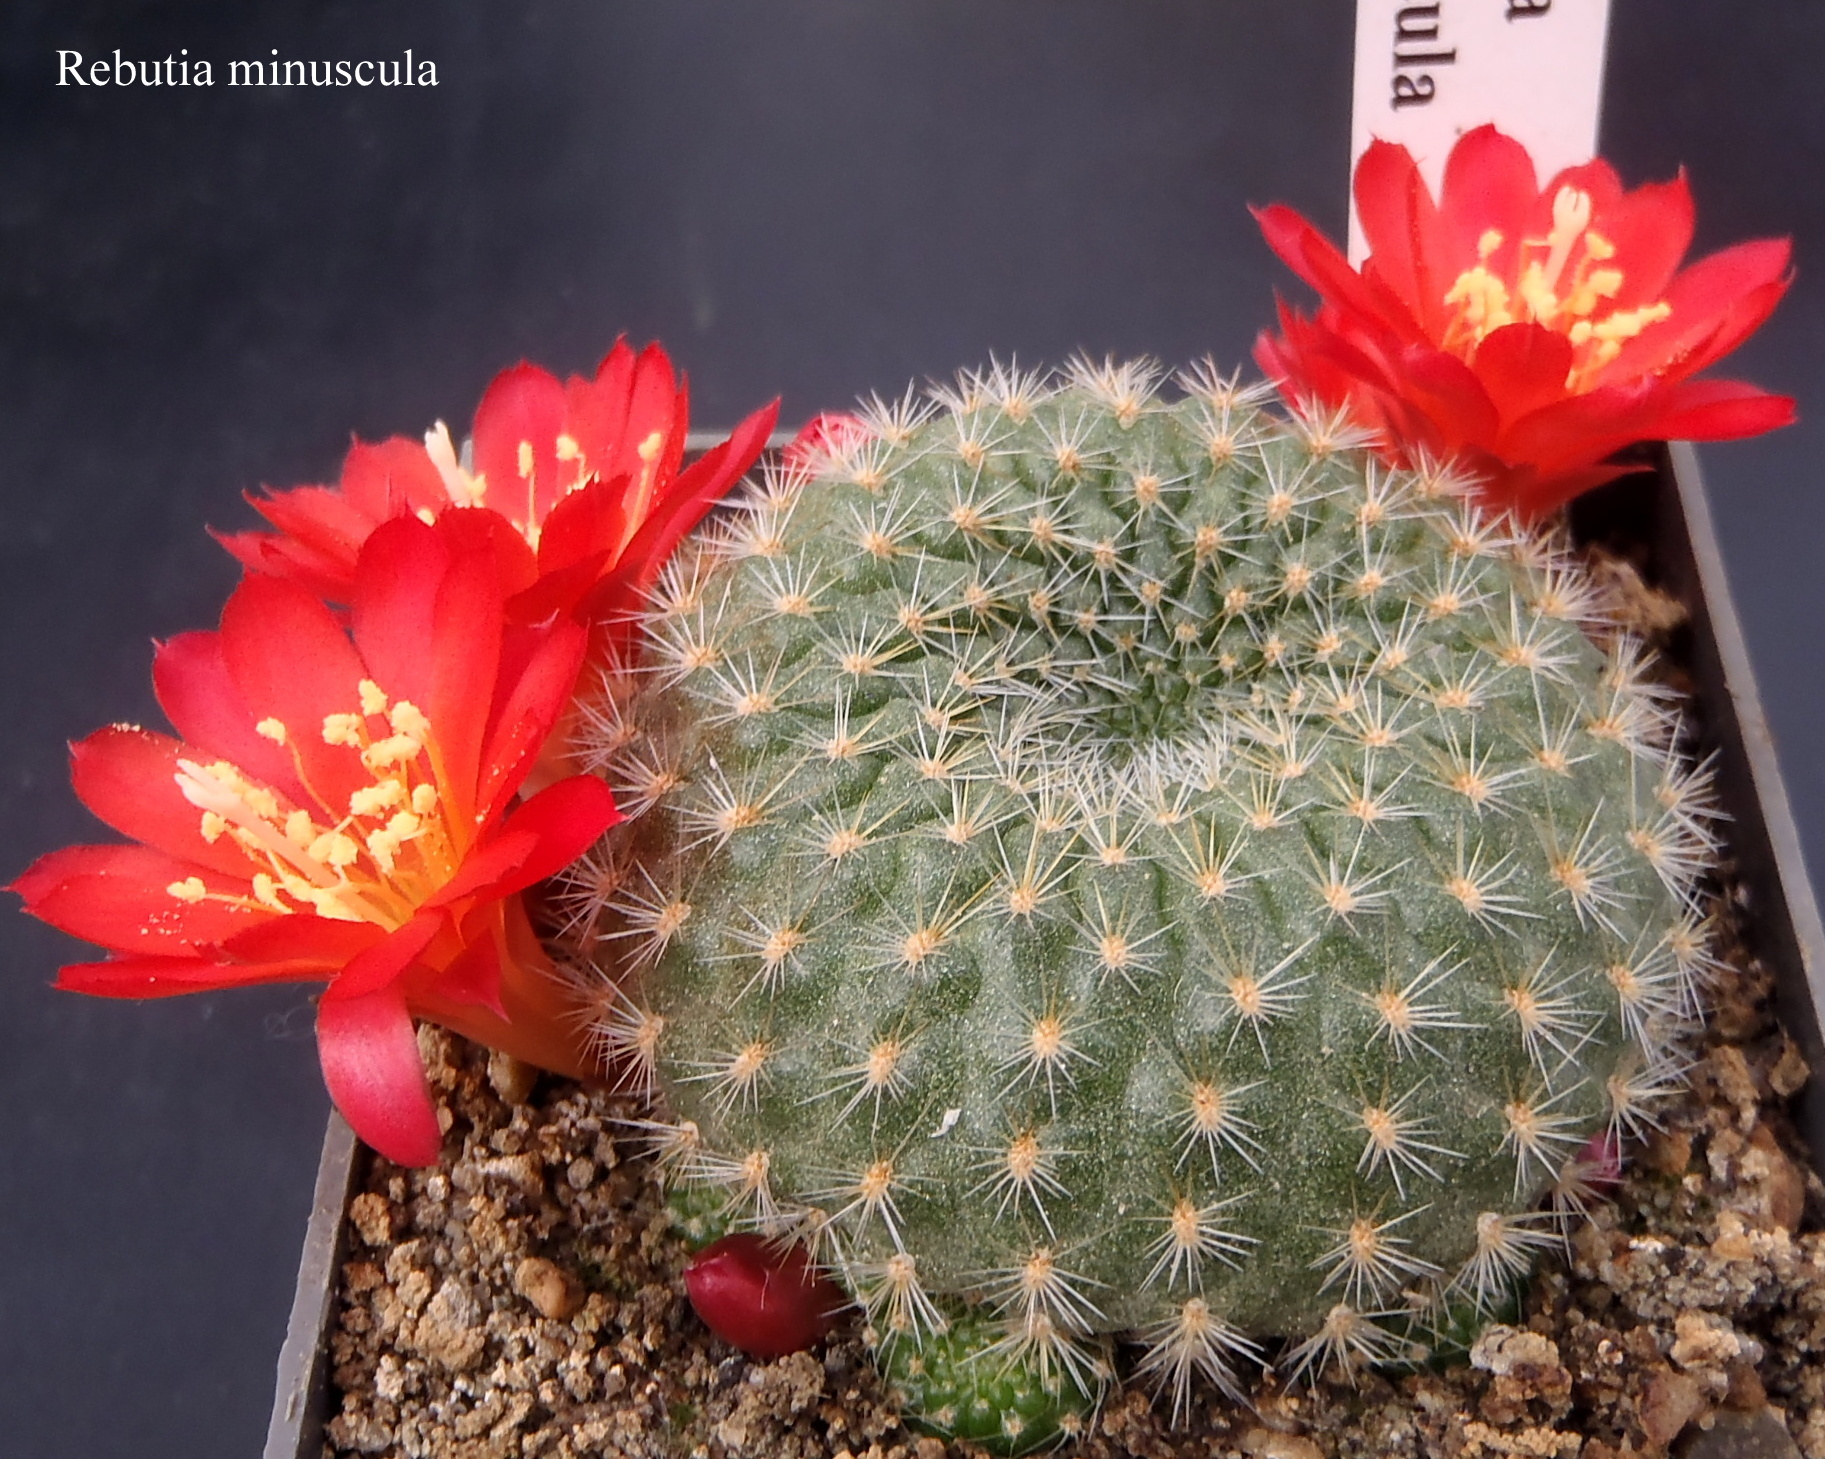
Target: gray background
{"x":204,"y":290}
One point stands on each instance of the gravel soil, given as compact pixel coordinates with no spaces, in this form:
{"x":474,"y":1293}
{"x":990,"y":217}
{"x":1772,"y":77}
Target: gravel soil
{"x":525,"y":1298}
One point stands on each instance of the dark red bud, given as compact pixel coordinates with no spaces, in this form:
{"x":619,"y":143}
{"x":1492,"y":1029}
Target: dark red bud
{"x":1600,"y":1162}
{"x":822,"y":435}
{"x":764,"y":1300}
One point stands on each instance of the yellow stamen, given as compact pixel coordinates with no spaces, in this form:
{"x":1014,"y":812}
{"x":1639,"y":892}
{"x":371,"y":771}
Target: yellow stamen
{"x":1565,"y":281}
{"x":370,"y":800}
{"x":342,"y":729}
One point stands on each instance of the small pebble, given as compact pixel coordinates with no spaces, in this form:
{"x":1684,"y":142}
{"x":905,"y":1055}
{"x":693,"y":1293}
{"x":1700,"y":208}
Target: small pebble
{"x":548,"y":1287}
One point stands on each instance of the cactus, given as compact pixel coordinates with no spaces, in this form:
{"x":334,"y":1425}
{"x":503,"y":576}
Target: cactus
{"x":1099,"y":865}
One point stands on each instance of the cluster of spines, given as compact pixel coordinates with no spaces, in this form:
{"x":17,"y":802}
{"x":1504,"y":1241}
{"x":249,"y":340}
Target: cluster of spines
{"x":1007,"y":691}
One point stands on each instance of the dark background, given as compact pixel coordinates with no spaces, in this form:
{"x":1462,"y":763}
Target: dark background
{"x":205,"y":290}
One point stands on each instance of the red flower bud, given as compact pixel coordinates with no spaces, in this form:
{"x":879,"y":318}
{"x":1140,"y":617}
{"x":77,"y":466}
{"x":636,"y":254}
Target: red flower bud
{"x":763,"y":1300}
{"x":1599,"y":1161}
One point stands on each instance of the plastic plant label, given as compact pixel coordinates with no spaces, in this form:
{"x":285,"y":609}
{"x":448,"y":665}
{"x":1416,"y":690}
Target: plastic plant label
{"x":1426,"y":74}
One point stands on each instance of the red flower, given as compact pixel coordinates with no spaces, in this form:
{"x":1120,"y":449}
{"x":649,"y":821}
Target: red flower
{"x":1530,"y":333}
{"x":341,"y":810}
{"x":583,"y":477}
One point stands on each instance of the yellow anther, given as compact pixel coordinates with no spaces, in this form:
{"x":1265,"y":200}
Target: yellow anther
{"x":262,"y":801}
{"x":649,"y":449}
{"x":424,"y":799}
{"x":1484,"y":300}
{"x":370,"y":800}
{"x":393,"y":750}
{"x":1536,"y":291}
{"x":568,"y":449}
{"x":373,"y":698}
{"x":212,"y":827}
{"x":383,"y":846}
{"x":271,"y":729}
{"x":299,"y":829}
{"x":333,"y":848}
{"x":1490,"y":241}
{"x":407,"y":719}
{"x":190,"y":889}
{"x":342,"y":729}
{"x":524,"y":462}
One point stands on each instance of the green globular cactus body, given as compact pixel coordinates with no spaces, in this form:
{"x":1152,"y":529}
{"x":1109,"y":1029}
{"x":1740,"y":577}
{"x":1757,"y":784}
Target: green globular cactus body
{"x":1111,"y":866}
{"x":951,"y":1392}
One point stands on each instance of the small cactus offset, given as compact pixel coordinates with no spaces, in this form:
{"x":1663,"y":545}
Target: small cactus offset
{"x":1099,"y":866}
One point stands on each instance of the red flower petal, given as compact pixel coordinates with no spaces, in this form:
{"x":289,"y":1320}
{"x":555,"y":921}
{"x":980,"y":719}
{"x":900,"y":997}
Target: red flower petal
{"x":1723,"y":410}
{"x":464,"y":654}
{"x":1489,"y":183}
{"x":1579,"y":428}
{"x":200,"y":698}
{"x":315,"y":544}
{"x":394,"y":608}
{"x":320,"y":520}
{"x":629,"y":423}
{"x":390,"y":479}
{"x":383,"y":964}
{"x":117,"y":897}
{"x":1448,"y":393}
{"x":1596,"y":179}
{"x":1523,"y":367}
{"x":476,"y":529}
{"x":163,"y":977}
{"x":127,"y":776}
{"x":762,"y":1300}
{"x":292,"y":662}
{"x":371,"y":1064}
{"x":525,"y":711}
{"x":1313,"y":257}
{"x":487,"y":867}
{"x":1400,"y":223}
{"x":1652,"y":228}
{"x":473,"y":977}
{"x":517,"y":426}
{"x":692,"y":495}
{"x":590,"y":523}
{"x":314,"y":947}
{"x":565,"y":820}
{"x":1716,"y":304}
